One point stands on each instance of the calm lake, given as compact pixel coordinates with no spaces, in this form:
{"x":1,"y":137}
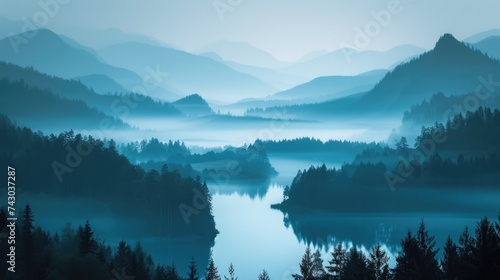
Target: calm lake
{"x":254,"y":237}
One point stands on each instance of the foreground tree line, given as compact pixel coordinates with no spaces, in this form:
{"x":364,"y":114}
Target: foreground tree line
{"x":86,"y":168}
{"x":475,"y":257}
{"x":77,"y":254}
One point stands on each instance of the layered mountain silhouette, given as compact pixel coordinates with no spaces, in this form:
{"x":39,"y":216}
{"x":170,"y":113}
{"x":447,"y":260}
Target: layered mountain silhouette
{"x":193,"y":105}
{"x":274,"y":78}
{"x":187,"y":72}
{"x":490,"y":46}
{"x":351,"y":62}
{"x":482,"y":35}
{"x":101,"y":84}
{"x":49,"y":53}
{"x":331,"y":87}
{"x":452,"y":67}
{"x":119,"y":105}
{"x":100,"y":38}
{"x":43,"y":110}
{"x":242,"y":53}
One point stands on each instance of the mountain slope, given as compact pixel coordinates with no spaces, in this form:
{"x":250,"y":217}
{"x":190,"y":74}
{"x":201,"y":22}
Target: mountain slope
{"x":49,"y":53}
{"x":451,"y":67}
{"x":43,"y":110}
{"x":350,"y":62}
{"x":490,"y":46}
{"x":124,"y":105}
{"x":482,"y":35}
{"x":100,"y":38}
{"x":242,"y":53}
{"x":101,"y":84}
{"x":331,"y":87}
{"x":185,"y":71}
{"x":193,"y":105}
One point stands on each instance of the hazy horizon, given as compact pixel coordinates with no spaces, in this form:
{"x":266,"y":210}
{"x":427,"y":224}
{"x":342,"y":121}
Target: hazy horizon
{"x":303,"y":27}
{"x":204,"y":137}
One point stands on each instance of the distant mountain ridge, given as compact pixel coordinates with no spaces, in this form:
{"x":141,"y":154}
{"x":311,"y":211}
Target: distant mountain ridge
{"x":331,"y":87}
{"x":53,"y":55}
{"x":41,"y":109}
{"x":185,"y":71}
{"x":242,"y":53}
{"x":489,"y":46}
{"x":482,"y":35}
{"x":101,"y":84}
{"x":350,"y":62}
{"x":452,"y":67}
{"x":121,"y":105}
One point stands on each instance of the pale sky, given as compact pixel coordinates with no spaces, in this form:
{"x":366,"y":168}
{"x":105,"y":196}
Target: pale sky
{"x":288,"y":29}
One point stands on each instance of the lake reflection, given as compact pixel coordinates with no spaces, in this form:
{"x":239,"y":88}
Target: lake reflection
{"x":254,"y":237}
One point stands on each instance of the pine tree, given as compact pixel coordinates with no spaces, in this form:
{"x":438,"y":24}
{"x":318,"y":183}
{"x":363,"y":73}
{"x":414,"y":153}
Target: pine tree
{"x":406,"y":261}
{"x":231,"y":273}
{"x":337,"y":263}
{"x":402,"y":146}
{"x":306,"y":266}
{"x":88,"y":244}
{"x":356,"y":267}
{"x":264,"y":275}
{"x":122,"y":258}
{"x":485,"y":252}
{"x":465,"y":251}
{"x":171,"y":273}
{"x":160,"y":273}
{"x":212,"y":273}
{"x":379,"y":263}
{"x":139,"y":268}
{"x":429,"y":267}
{"x":28,"y":250}
{"x":418,"y":259}
{"x":450,"y":263}
{"x":318,"y":272}
{"x":193,"y":270}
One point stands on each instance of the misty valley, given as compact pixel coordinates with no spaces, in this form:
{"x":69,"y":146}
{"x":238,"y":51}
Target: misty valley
{"x":139,"y":160}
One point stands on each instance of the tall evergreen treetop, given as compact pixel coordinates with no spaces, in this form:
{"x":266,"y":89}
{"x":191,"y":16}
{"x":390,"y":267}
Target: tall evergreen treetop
{"x":88,"y":244}
{"x":231,"y":273}
{"x":337,"y":263}
{"x":264,"y":275}
{"x":193,"y":270}
{"x":212,"y":272}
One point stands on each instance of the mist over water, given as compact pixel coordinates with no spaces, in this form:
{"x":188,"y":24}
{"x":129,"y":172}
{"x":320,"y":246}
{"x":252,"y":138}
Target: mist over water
{"x":253,"y":236}
{"x":199,"y":141}
{"x":213,"y":133}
